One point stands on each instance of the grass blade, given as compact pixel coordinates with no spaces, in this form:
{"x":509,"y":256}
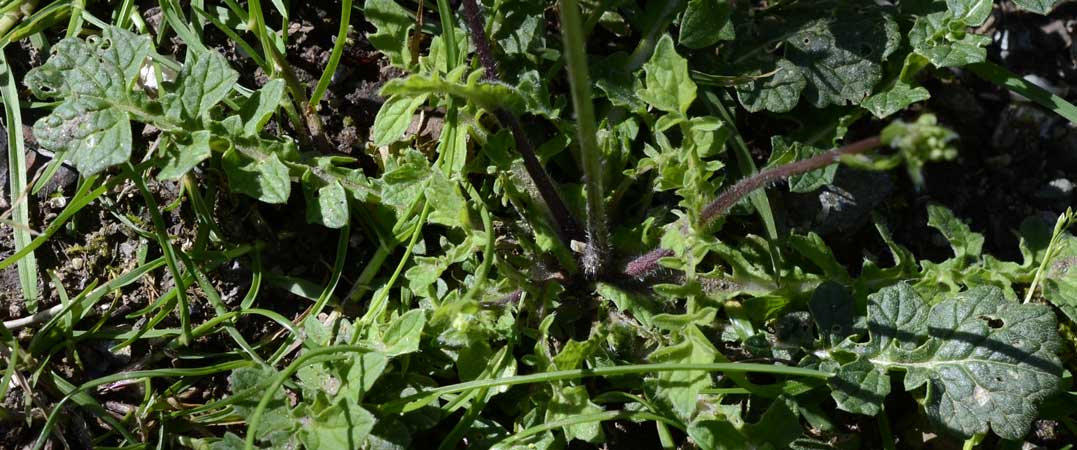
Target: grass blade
{"x":999,"y":75}
{"x":20,"y":202}
{"x":334,"y":56}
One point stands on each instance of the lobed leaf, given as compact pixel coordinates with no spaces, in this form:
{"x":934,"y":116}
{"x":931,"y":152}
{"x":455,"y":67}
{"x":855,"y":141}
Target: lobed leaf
{"x":986,"y":363}
{"x":265,"y":179}
{"x":92,"y":77}
{"x":838,"y":56}
{"x":667,"y":85}
{"x":205,"y":80}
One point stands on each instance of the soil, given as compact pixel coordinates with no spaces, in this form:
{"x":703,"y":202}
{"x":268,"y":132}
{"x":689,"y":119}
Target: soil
{"x":1013,"y":154}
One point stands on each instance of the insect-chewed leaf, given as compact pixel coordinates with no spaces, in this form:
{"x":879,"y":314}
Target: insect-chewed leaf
{"x":838,"y":56}
{"x":778,"y":92}
{"x":392,"y":22}
{"x":987,"y":363}
{"x":93,"y":78}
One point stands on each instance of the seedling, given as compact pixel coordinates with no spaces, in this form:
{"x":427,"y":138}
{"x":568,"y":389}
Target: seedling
{"x":558,"y":262}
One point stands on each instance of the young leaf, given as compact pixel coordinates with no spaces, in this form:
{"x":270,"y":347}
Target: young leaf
{"x":667,"y":85}
{"x":943,"y":40}
{"x":986,"y":362}
{"x":261,"y":106}
{"x":204,"y":81}
{"x":404,"y":333}
{"x":327,"y":203}
{"x":394,"y":118}
{"x":181,"y":157}
{"x":265,"y":179}
{"x":897,"y":98}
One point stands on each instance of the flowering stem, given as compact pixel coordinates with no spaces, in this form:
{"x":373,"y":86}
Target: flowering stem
{"x":648,"y":262}
{"x":597,"y":252}
{"x":567,"y":227}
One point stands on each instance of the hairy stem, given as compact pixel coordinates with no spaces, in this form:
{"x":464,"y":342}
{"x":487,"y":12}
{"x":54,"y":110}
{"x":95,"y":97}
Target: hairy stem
{"x":478,"y":37}
{"x":597,"y":252}
{"x":648,"y":262}
{"x":567,"y":227}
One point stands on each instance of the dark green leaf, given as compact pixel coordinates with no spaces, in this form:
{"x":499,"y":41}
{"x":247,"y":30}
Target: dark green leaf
{"x":703,"y":21}
{"x":986,"y":362}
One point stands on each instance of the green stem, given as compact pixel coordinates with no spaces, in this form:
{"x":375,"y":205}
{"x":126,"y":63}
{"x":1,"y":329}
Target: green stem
{"x":448,"y":33}
{"x":597,"y":252}
{"x":999,"y":75}
{"x":377,"y":306}
{"x":50,"y":422}
{"x":488,"y":248}
{"x":586,"y":418}
{"x":421,"y":399}
{"x":169,"y":252}
{"x":327,"y":353}
{"x":334,"y":57}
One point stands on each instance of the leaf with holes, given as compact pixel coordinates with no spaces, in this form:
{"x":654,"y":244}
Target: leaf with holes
{"x":838,"y":55}
{"x":92,"y":78}
{"x":986,"y":363}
